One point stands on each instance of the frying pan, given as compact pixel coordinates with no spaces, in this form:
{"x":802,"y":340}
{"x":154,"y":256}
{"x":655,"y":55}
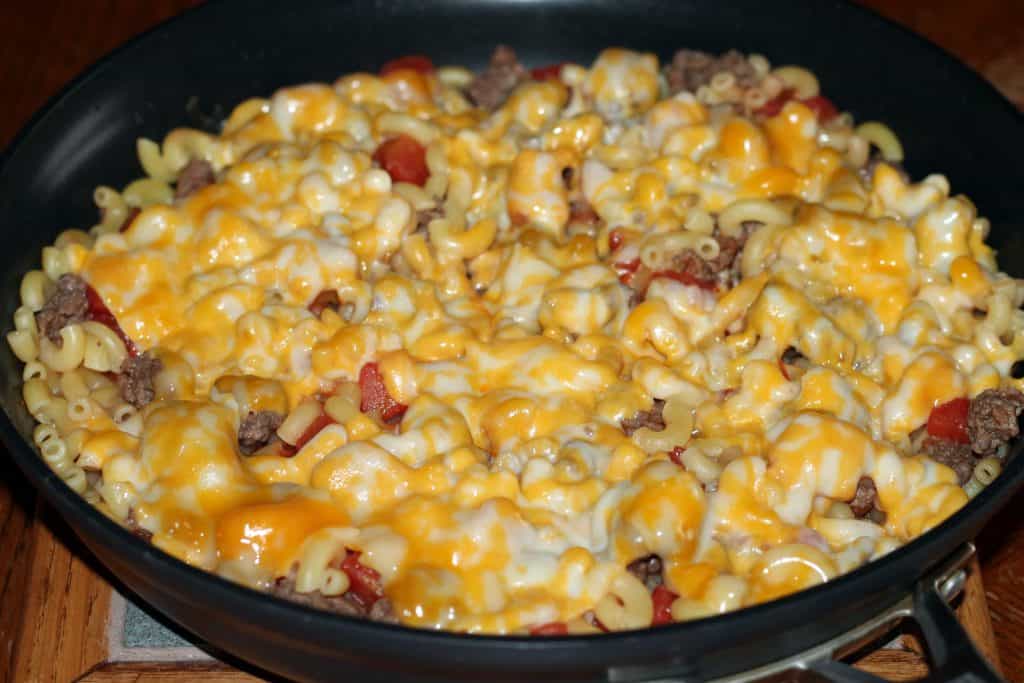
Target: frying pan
{"x":193,"y":69}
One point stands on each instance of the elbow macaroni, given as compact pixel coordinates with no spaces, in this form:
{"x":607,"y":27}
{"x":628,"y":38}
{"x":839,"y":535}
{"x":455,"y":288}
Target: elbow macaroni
{"x":508,"y":494}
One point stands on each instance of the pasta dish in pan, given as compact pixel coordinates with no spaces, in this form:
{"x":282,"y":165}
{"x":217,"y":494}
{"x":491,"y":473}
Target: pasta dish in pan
{"x":546,"y":351}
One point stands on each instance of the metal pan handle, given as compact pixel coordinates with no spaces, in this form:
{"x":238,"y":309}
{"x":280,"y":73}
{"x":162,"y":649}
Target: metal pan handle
{"x":954,"y":659}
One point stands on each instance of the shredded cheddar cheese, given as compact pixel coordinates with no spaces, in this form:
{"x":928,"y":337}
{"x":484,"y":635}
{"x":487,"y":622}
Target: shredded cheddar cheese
{"x":513,"y":330}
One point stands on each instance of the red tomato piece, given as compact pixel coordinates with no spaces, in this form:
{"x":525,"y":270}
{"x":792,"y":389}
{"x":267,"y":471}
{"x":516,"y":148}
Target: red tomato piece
{"x":418,"y":63}
{"x":551,"y":72}
{"x":375,"y":396}
{"x":663,"y":599}
{"x":99,"y":312}
{"x":775,"y":105}
{"x":627,"y":269}
{"x":628,"y":266}
{"x":364,"y":582}
{"x":949,"y":420}
{"x":615,"y":239}
{"x":554,"y":628}
{"x":686,"y":279}
{"x":676,"y":455}
{"x":404,"y":159}
{"x":822,"y":108}
{"x":312,"y":430}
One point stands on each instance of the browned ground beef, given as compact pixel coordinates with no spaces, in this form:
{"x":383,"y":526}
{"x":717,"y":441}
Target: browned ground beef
{"x":347,"y":604}
{"x":67,"y":305}
{"x":197,"y":174}
{"x":690,"y":69}
{"x":866,"y":498}
{"x":652,"y":419}
{"x":284,"y":587}
{"x":424,"y":216}
{"x":492,"y":87}
{"x":724,"y":269}
{"x":957,"y":456}
{"x":992,"y":419}
{"x":687,"y":261}
{"x":648,"y":569}
{"x":136,"y":379}
{"x":729,"y":249}
{"x":257,"y":430}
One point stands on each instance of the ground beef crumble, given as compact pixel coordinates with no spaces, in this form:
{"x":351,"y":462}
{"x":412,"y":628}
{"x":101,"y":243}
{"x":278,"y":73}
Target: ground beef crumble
{"x":648,"y":569}
{"x":865,"y":500}
{"x":424,"y":216}
{"x":992,"y":419}
{"x":494,"y":84}
{"x":136,"y":379}
{"x":690,"y":69}
{"x":956,"y":456}
{"x":69,"y":304}
{"x":257,"y":430}
{"x":197,"y":174}
{"x":652,"y":419}
{"x":346,"y":604}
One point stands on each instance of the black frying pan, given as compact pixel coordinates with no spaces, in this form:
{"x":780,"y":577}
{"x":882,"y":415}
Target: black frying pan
{"x":192,"y":70}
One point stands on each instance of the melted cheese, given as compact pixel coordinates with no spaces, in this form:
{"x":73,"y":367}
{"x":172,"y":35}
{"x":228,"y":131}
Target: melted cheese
{"x":509,"y":495}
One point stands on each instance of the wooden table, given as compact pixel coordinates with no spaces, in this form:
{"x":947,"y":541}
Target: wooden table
{"x":47,"y":42}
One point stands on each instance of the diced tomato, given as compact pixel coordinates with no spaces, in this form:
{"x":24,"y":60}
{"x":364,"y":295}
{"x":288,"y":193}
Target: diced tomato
{"x":686,"y":279}
{"x":627,"y":269}
{"x":551,"y":72}
{"x":949,"y":420}
{"x":775,"y":105}
{"x":822,"y":107}
{"x":375,"y":396}
{"x":129,"y":219}
{"x":676,"y":455}
{"x":312,"y":430}
{"x":615,"y":239}
{"x":99,"y":312}
{"x":417,"y":63}
{"x":554,"y":628}
{"x":663,"y":599}
{"x":628,"y":266}
{"x":364,"y":582}
{"x":404,"y":159}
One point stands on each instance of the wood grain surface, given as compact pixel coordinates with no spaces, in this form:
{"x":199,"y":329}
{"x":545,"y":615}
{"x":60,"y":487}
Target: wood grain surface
{"x":47,"y":42}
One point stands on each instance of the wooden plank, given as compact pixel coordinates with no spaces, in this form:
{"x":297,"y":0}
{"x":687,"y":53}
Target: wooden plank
{"x":974,"y":615}
{"x":163,"y":673}
{"x":894,"y":665}
{"x":16,"y":506}
{"x":65,"y":614}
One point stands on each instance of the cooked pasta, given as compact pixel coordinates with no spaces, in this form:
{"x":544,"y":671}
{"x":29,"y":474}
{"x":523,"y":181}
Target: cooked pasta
{"x":603,"y":348}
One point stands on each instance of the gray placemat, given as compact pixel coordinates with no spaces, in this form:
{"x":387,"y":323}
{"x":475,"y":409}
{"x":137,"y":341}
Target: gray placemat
{"x":135,"y":634}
